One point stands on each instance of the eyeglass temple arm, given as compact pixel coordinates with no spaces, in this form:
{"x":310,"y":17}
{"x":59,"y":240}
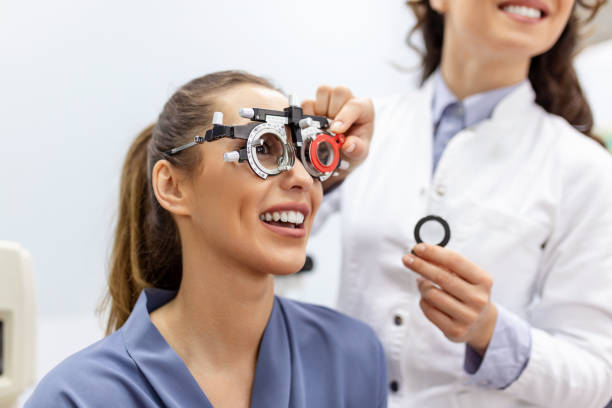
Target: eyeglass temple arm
{"x":196,"y":140}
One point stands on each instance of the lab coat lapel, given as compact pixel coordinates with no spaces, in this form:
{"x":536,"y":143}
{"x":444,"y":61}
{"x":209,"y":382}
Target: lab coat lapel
{"x":507,"y":133}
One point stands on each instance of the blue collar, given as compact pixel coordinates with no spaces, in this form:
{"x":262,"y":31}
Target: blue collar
{"x":476,"y":108}
{"x":172,"y":380}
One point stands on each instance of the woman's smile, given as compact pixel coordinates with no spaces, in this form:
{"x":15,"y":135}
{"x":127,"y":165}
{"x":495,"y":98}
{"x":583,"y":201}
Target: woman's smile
{"x":286,"y":219}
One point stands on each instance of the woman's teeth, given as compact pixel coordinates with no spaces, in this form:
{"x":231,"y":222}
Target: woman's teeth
{"x":523,"y":11}
{"x":292,"y":217}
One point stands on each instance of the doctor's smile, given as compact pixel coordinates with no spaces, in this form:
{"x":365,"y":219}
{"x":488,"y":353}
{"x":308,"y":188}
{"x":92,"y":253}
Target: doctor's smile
{"x":526,"y":11}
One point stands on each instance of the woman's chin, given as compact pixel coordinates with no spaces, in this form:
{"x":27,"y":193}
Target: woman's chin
{"x":286,"y":266}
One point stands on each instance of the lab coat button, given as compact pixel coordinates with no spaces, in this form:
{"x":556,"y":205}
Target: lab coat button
{"x":441,"y":190}
{"x":398,"y":320}
{"x":394,"y":386}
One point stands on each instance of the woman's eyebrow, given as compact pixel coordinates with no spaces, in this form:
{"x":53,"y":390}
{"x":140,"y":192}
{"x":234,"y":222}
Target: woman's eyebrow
{"x":237,"y":143}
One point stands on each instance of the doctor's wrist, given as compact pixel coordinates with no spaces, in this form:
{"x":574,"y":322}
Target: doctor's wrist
{"x":484,"y":331}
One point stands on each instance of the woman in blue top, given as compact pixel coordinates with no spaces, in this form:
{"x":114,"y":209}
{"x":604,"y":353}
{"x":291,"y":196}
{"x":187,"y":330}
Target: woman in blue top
{"x":193,"y":318}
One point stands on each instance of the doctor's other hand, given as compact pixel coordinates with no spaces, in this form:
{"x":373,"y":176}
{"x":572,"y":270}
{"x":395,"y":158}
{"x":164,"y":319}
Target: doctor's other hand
{"x":455,"y":294}
{"x":352,"y":116}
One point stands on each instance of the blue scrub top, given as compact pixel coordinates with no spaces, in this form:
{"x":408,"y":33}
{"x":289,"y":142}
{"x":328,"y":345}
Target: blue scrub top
{"x":310,"y":356}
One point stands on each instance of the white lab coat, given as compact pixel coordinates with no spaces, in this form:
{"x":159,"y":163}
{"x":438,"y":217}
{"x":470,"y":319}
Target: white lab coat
{"x":529,"y":199}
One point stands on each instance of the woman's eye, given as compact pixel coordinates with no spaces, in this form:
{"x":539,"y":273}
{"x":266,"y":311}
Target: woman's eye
{"x":263,"y":148}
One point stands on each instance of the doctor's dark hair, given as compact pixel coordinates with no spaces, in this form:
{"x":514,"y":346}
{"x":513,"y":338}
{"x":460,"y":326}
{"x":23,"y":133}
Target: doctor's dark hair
{"x":552,"y":74}
{"x":147,"y":249}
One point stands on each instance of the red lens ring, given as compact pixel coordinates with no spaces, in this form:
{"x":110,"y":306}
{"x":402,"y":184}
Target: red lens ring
{"x":314,"y":158}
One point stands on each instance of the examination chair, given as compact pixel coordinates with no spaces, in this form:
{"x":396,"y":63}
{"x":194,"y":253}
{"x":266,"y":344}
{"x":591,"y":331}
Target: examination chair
{"x":17,"y":323}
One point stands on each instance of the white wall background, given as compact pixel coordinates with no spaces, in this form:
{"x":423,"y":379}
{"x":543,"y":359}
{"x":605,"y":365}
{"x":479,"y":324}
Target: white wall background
{"x":79,"y":79}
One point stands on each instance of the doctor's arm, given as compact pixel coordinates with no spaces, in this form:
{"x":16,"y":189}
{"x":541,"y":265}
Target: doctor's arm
{"x":570,"y":322}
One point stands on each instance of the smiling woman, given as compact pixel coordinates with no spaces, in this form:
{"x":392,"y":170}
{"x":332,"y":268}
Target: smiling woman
{"x":193,"y":317}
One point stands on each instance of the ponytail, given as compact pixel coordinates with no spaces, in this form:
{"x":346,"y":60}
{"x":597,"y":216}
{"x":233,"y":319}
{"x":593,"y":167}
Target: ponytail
{"x":128,"y":263}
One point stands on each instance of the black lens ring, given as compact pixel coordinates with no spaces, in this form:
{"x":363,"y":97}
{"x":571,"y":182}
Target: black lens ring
{"x":447,"y":233}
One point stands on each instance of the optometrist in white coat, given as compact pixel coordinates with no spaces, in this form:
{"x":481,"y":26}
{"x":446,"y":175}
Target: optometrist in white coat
{"x":516,"y":311}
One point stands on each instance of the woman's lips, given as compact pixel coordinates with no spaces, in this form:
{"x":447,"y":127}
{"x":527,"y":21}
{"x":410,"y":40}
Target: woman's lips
{"x":286,"y":231}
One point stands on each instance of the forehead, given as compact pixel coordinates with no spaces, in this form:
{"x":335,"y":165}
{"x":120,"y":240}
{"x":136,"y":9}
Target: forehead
{"x":249,"y":96}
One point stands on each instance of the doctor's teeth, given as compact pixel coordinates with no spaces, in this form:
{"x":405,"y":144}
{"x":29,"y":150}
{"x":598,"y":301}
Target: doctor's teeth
{"x":300,"y":218}
{"x":276,"y":216}
{"x":268,"y":217}
{"x":284,"y":217}
{"x":523,"y":11}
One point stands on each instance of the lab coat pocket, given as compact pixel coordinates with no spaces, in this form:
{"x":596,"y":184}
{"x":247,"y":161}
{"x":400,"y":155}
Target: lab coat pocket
{"x":509,"y":247}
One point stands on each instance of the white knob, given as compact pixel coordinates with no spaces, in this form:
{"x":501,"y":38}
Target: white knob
{"x":306,"y":122}
{"x":247,"y":113}
{"x":231,"y":156}
{"x":292,"y":100}
{"x":218,"y":118}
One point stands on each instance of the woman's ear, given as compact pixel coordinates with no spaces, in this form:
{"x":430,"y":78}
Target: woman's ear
{"x":439,"y":5}
{"x":169,"y":188}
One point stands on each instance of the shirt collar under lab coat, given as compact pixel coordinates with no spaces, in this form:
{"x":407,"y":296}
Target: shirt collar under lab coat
{"x":476,"y":107}
{"x":275,"y":378}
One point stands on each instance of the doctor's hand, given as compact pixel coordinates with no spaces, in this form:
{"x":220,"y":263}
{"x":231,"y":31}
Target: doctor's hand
{"x":455,"y":294}
{"x":352,"y":116}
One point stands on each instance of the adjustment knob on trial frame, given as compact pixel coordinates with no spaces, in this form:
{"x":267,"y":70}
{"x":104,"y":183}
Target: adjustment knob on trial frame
{"x":231,"y":156}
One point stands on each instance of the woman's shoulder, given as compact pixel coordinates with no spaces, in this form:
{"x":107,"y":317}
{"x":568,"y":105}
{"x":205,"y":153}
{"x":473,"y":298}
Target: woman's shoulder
{"x":353,"y":335}
{"x":102,"y":374}
{"x":338,"y":352}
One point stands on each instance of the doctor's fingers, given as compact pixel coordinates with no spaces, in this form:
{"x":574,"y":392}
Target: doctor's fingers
{"x":446,"y":280}
{"x":308,"y":107}
{"x":442,"y":321}
{"x":329,"y":100}
{"x":356,"y":121}
{"x":356,"y":115}
{"x":464,"y":315}
{"x":455,"y":262}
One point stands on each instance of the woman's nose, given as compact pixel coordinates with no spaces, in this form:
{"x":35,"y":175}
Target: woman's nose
{"x":297,"y":178}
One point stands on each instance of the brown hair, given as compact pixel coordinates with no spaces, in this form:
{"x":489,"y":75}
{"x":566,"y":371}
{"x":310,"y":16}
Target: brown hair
{"x":147,"y":250}
{"x":552,"y":74}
